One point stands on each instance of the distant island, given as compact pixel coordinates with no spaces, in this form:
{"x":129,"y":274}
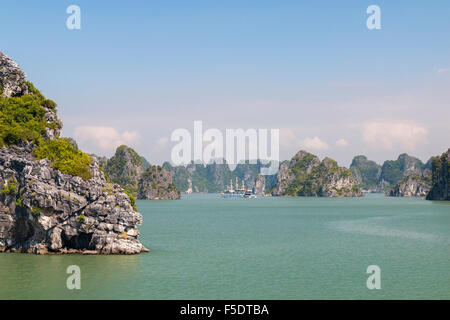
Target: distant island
{"x":138,"y":177}
{"x":306,"y":175}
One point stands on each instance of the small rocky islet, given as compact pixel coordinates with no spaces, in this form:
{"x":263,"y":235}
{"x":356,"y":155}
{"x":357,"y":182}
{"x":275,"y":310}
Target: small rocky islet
{"x":306,"y":175}
{"x":405,"y":177}
{"x":138,"y":177}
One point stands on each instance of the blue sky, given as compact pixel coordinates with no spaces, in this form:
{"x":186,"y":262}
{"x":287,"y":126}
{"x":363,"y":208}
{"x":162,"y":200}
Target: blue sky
{"x":137,"y":70}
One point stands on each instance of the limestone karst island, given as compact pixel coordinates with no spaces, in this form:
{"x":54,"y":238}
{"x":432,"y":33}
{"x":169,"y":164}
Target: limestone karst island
{"x":54,"y":198}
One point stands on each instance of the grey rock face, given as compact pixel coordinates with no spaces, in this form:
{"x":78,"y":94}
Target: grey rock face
{"x":52,"y":212}
{"x":260,"y":185}
{"x":284,"y":178}
{"x":12,"y":79}
{"x":156,"y":184}
{"x":374,"y":178}
{"x":125,"y":168}
{"x":52,"y":133}
{"x":412,"y":186}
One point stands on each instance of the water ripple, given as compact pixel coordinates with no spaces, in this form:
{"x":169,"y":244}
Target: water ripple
{"x":370,"y":226}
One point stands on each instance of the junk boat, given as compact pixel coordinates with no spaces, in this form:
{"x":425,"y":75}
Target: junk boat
{"x":237,"y":192}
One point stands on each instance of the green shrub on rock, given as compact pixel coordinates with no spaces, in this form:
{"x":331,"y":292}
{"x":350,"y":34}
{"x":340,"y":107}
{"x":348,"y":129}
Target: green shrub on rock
{"x":10,"y":187}
{"x":22,"y":119}
{"x":132,"y":200}
{"x":64,"y":157}
{"x":35,"y":211}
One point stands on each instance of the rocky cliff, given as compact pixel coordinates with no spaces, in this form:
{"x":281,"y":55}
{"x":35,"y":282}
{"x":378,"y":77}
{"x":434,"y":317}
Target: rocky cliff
{"x":125,"y":168}
{"x":393,"y":171}
{"x":260,"y":185}
{"x":367,"y":173}
{"x":140,"y":179}
{"x":53,"y":197}
{"x":306,"y":175}
{"x":12,"y":79}
{"x":156,"y":184}
{"x":440,"y":189}
{"x":412,"y":186}
{"x":393,"y":174}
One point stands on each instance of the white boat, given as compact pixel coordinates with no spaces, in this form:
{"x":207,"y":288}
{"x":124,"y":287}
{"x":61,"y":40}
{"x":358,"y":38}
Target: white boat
{"x":237,"y":192}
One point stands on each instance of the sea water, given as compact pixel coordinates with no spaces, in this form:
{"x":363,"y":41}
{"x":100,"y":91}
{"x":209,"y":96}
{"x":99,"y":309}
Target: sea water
{"x":208,"y":247}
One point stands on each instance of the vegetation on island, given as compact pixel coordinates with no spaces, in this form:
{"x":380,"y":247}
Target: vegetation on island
{"x":373,"y":177}
{"x":440,"y":189}
{"x":311,"y":179}
{"x":366,"y":172}
{"x":23,"y":120}
{"x":64,"y":157}
{"x":132,"y":200}
{"x":10,"y":187}
{"x":306,"y":175}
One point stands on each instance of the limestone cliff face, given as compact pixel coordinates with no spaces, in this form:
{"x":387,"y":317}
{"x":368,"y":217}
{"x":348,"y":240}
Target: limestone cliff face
{"x":440,"y":177}
{"x":306,"y":175}
{"x":142,"y":180}
{"x":12,"y":79}
{"x":285,"y":178}
{"x":51,"y":212}
{"x":393,"y":171}
{"x":367,"y":173}
{"x":412,"y":186}
{"x":260,"y":185}
{"x":43,"y":210}
{"x":125,"y":168}
{"x":156,"y":184}
{"x":392,"y":174}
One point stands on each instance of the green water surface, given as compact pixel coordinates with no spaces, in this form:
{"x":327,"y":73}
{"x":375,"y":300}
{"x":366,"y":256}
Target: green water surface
{"x":208,"y":247}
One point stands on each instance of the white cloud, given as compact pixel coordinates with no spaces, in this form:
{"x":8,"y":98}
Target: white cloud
{"x":288,"y":138}
{"x":391,"y":134}
{"x":341,"y":143}
{"x":292,"y":140}
{"x":443,"y":70}
{"x":105,"y":138}
{"x":161,"y":143}
{"x":314,"y":144}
